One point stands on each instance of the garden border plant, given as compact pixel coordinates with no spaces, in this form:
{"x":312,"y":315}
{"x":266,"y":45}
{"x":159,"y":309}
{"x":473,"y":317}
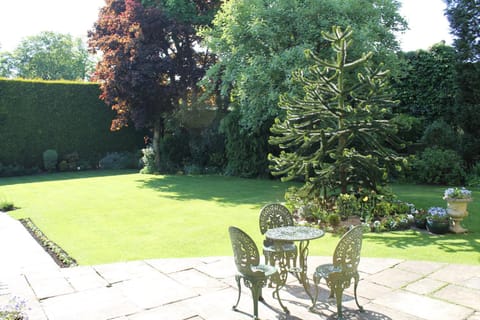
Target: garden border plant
{"x":60,"y":256}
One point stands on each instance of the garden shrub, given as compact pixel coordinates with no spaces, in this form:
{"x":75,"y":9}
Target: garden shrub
{"x":440,"y":134}
{"x":193,"y":169}
{"x":246,"y":152}
{"x":13,"y":170}
{"x":333,"y":219}
{"x":50,"y":158}
{"x":118,"y":160}
{"x":347,"y":205}
{"x":148,"y":160}
{"x":6,"y":205}
{"x":473,"y":176}
{"x":439,"y":166}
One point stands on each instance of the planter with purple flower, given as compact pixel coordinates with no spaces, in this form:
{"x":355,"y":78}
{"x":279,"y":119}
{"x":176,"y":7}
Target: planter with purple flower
{"x":457,"y":202}
{"x":438,"y":220}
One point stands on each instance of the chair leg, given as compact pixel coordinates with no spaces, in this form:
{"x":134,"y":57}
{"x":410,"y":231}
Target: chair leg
{"x":256,"y":292}
{"x":237,"y":278}
{"x":355,"y":285}
{"x":316,"y":282}
{"x":338,"y":295}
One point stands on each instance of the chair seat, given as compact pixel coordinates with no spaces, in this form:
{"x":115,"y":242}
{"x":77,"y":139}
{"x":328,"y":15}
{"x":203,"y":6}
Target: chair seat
{"x":324,"y":270}
{"x":268,"y":246}
{"x":266,"y":269}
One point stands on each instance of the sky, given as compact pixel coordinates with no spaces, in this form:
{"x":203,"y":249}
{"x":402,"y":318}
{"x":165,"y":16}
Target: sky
{"x":23,"y":18}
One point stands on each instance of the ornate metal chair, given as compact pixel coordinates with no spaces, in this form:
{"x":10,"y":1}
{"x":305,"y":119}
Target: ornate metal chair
{"x":339,"y":274}
{"x":275,"y":215}
{"x":254,"y":274}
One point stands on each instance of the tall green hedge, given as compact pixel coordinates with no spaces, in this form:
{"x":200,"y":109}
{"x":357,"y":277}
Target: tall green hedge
{"x":64,"y":116}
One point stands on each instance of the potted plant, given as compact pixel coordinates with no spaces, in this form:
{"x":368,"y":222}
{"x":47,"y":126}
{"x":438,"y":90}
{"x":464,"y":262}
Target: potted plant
{"x":457,"y":202}
{"x":420,"y":218}
{"x":438,"y":220}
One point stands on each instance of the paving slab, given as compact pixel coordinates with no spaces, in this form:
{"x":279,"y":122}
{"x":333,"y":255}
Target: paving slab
{"x":460,"y":295}
{"x":394,"y":278}
{"x":122,"y":271}
{"x":373,"y":266}
{"x":174,"y":311}
{"x":94,"y":304}
{"x":426,"y":286}
{"x":420,"y":267}
{"x":48,"y":284}
{"x":150,"y":292}
{"x":423,"y":307}
{"x":84,"y":278}
{"x":456,"y":273}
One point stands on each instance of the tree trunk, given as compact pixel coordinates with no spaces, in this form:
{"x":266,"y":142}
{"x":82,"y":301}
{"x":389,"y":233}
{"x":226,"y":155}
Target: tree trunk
{"x":156,"y":142}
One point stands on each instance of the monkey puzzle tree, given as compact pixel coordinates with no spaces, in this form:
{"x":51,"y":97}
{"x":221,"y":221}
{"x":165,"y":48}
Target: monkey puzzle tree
{"x":338,"y":134}
{"x":149,"y":63}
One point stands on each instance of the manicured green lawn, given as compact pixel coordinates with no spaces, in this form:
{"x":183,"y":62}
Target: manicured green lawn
{"x":107,"y":216}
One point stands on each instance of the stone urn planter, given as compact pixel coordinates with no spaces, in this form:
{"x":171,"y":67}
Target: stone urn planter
{"x":457,"y":210}
{"x":457,"y":203}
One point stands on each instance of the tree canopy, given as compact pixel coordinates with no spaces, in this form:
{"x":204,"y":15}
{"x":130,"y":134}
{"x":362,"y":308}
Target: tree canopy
{"x":48,"y":56}
{"x":149,"y":63}
{"x":259,"y":43}
{"x":464,"y":18}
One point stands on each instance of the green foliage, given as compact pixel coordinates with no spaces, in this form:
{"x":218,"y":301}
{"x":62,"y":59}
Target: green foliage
{"x":156,"y":49}
{"x":464,"y":17}
{"x":396,"y":222}
{"x":440,"y":134}
{"x":6,"y":205}
{"x":49,"y":56}
{"x":427,"y":84}
{"x":12,"y":170}
{"x":260,"y":45}
{"x":118,"y":160}
{"x":64,"y":116}
{"x":50,"y":159}
{"x":246,"y":152}
{"x":438,"y":166}
{"x":339,"y":134}
{"x":148,"y":160}
{"x":333,"y":219}
{"x":473,"y":176}
{"x":347,"y":205}
{"x":174,"y":151}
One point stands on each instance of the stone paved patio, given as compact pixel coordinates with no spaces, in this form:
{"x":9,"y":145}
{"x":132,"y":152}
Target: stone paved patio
{"x":204,"y":288}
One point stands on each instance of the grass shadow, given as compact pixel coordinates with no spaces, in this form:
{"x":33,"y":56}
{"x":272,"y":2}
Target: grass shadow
{"x":60,"y":176}
{"x":448,"y":243}
{"x":232,"y":190}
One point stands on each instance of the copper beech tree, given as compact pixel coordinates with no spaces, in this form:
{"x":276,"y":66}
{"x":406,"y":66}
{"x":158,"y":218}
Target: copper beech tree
{"x":149,"y":63}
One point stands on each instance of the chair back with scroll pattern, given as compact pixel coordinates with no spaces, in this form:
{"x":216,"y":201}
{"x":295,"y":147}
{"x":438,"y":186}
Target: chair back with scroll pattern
{"x":347,"y":252}
{"x":274,"y":215}
{"x":245,"y":251}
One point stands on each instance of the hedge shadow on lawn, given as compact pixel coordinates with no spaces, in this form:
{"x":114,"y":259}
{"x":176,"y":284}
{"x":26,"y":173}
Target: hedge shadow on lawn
{"x":449,"y":243}
{"x":61,"y":176}
{"x":224,"y":189}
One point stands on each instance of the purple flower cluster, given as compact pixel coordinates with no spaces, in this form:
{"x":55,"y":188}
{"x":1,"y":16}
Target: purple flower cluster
{"x":14,"y":310}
